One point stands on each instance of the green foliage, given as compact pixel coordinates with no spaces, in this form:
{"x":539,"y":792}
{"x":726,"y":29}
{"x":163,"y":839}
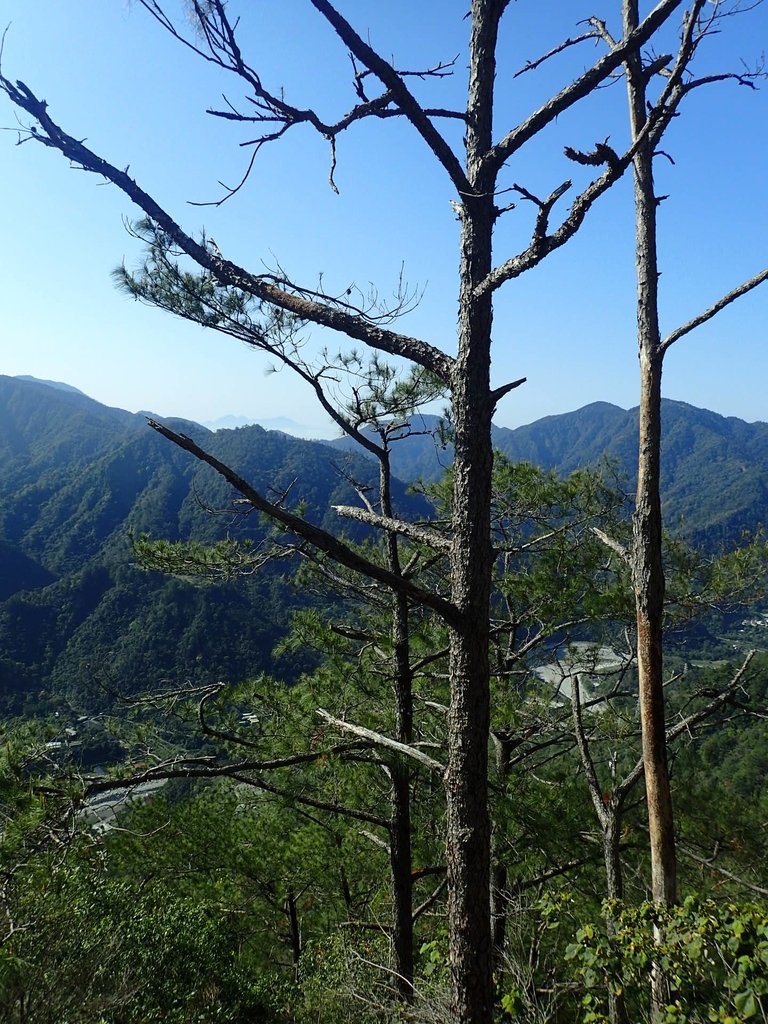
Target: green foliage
{"x":246,"y":851}
{"x":161,"y":281}
{"x":555,"y":568}
{"x":433,"y":957}
{"x":714,"y":954}
{"x":234,"y":894}
{"x":343,"y":977}
{"x":224,"y":561}
{"x":89,"y":946}
{"x":726,"y":582}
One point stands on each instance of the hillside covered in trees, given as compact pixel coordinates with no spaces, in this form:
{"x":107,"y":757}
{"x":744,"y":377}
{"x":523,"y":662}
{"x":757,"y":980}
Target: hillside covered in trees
{"x":259,"y":881}
{"x":185,"y":676}
{"x":79,"y":618}
{"x":713,"y":468}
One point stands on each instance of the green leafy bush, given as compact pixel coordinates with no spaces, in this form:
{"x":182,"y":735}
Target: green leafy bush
{"x":714,"y":955}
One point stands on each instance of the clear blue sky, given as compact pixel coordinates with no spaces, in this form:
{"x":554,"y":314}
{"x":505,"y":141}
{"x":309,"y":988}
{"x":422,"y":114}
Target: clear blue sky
{"x":111,"y":75}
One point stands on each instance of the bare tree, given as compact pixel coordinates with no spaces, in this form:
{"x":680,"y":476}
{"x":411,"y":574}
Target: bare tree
{"x":382,"y":90}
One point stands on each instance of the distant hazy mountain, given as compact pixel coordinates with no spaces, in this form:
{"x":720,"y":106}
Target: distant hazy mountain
{"x":51,"y":383}
{"x":281,"y":423}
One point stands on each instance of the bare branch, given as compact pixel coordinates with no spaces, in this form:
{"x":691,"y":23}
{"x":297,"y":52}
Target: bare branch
{"x":708,"y":862}
{"x":308,"y":801}
{"x":219,"y":46}
{"x":238,"y":740}
{"x":228,"y":273}
{"x":713,"y":310}
{"x":588,"y":764}
{"x":400,"y":93}
{"x":543,"y":244}
{"x":429,"y":901}
{"x":612,"y":543}
{"x":498,"y":393}
{"x":688,"y":723}
{"x":521,"y":885}
{"x":203,"y":768}
{"x":318,"y":538}
{"x":532,"y":65}
{"x":718,"y":701}
{"x":583,"y":85}
{"x":380,"y":740}
{"x":420,"y":534}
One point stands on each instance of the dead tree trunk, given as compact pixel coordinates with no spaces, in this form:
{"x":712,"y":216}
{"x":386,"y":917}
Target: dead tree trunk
{"x":647,"y":564}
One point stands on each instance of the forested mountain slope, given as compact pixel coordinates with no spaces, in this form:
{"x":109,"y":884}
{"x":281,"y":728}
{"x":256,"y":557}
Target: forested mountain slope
{"x":76,"y":616}
{"x":714,"y":468}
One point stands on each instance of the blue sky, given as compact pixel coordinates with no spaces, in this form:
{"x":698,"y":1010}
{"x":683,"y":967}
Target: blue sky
{"x":112,"y":76}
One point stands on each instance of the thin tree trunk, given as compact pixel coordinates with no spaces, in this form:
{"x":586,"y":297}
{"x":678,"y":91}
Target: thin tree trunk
{"x":400,"y":829}
{"x":499,"y":873}
{"x":608,"y":807}
{"x":649,"y":592}
{"x":648,"y":569}
{"x":294,"y":926}
{"x":611,"y":826}
{"x":468,"y":826}
{"x":402,"y":886}
{"x":647,"y":564}
{"x":499,"y":911}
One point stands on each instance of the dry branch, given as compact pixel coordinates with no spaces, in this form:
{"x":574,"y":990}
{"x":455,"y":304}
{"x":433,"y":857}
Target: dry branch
{"x":378,"y":739}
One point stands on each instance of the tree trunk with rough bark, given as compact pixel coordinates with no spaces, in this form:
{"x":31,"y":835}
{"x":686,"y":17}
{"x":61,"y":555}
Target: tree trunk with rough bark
{"x":468,"y":839}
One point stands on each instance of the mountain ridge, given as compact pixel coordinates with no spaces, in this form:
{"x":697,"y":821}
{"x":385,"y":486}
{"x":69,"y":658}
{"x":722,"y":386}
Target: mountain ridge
{"x":76,"y":477}
{"x":704,"y":455}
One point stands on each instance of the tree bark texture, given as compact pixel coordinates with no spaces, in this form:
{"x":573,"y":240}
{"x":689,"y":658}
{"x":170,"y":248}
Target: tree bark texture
{"x":468,"y":838}
{"x":469,"y":833}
